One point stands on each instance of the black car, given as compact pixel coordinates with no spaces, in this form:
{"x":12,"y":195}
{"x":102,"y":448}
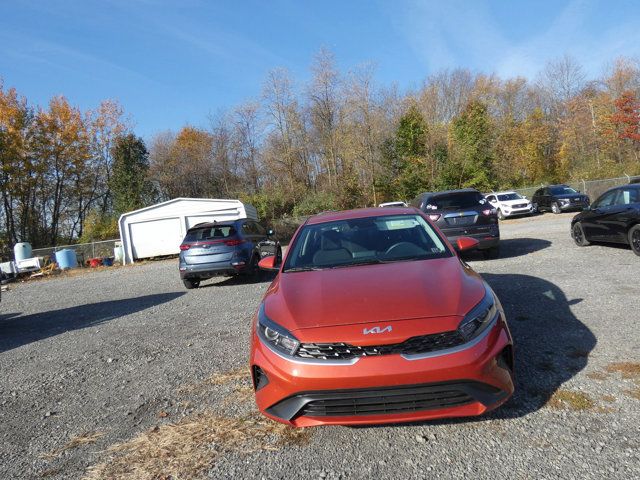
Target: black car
{"x":558,"y":199}
{"x":614,"y":217}
{"x":463,"y":213}
{"x":224,"y":248}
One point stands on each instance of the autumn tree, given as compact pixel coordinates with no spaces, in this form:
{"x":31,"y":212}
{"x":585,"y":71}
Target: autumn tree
{"x":470,"y":150}
{"x":129,"y":183}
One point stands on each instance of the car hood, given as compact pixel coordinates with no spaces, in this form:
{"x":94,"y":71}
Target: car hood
{"x":373,"y":293}
{"x":514,"y":202}
{"x":570,"y":196}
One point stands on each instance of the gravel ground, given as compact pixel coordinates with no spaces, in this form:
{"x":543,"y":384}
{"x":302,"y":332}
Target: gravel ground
{"x":93,"y":359}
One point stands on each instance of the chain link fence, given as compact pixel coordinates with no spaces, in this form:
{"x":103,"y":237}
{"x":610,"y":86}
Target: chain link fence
{"x":84,"y":251}
{"x":592,"y":188}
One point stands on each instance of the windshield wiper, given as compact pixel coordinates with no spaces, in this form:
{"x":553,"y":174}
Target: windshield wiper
{"x":303,"y":269}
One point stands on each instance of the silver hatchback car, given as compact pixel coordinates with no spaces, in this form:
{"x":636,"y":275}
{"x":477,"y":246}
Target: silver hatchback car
{"x":224,"y":248}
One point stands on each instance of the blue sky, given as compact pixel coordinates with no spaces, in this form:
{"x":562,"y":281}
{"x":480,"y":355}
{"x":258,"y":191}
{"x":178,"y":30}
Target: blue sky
{"x":174,"y":62}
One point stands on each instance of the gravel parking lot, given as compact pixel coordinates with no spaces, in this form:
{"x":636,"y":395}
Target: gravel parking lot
{"x":128,"y":357}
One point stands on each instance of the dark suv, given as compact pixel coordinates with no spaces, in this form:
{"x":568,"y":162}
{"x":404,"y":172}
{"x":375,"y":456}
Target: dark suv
{"x":224,"y":248}
{"x":558,"y":199}
{"x":463,"y":213}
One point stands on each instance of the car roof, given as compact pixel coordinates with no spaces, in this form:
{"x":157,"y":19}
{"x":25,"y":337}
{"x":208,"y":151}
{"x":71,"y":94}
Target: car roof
{"x":502,"y":193}
{"x":359,"y":213}
{"x":447,"y":192}
{"x":227,"y":223}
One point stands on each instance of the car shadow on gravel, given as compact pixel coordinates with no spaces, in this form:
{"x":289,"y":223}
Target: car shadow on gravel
{"x":551,"y":345}
{"x":263,"y":277}
{"x":513,"y":247}
{"x":18,"y":330}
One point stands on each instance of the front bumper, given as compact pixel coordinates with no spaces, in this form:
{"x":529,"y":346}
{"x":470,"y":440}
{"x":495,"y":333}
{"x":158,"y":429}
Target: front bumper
{"x":207,"y":270}
{"x":573,"y":207}
{"x":518,"y":211}
{"x":470,"y":380}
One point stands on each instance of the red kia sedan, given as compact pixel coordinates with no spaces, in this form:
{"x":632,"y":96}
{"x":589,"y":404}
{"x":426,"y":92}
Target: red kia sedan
{"x":373,"y":318}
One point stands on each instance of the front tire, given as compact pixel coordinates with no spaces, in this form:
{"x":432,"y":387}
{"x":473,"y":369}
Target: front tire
{"x":190,"y":283}
{"x":579,"y":237}
{"x":555,"y":208}
{"x":634,"y":239}
{"x":501,"y":215}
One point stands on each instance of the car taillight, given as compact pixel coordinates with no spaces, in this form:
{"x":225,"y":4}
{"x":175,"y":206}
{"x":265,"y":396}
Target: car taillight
{"x":233,"y":243}
{"x":184,"y":246}
{"x":489,"y":211}
{"x":434,"y":217}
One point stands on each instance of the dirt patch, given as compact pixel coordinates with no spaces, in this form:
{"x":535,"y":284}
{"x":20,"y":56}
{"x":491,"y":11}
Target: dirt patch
{"x":600,"y":376}
{"x":627,"y":369}
{"x":186,"y":449}
{"x":77,"y":441}
{"x":572,"y":400}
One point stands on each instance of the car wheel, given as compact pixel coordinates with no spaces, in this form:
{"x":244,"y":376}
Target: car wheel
{"x":534,"y":208}
{"x":491,"y":253}
{"x":189,"y":283}
{"x":634,"y":239}
{"x":578,"y":235}
{"x":555,"y":208}
{"x":500,"y":215}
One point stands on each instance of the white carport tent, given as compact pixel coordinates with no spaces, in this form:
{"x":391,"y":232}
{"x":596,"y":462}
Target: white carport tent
{"x":159,"y":229}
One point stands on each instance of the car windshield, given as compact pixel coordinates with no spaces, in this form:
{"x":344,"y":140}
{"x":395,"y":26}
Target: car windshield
{"x":360,"y":241}
{"x":210,"y":233}
{"x":452,"y":201}
{"x":509,"y":196}
{"x":562,"y":190}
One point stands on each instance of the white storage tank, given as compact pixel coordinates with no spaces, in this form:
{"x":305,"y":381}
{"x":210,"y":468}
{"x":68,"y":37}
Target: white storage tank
{"x":22,"y":251}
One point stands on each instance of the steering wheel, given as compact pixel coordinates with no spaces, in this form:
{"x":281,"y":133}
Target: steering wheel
{"x":407,"y":248}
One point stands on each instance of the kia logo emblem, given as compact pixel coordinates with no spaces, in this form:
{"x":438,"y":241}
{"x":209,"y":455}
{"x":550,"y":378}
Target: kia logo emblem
{"x":367,"y":331}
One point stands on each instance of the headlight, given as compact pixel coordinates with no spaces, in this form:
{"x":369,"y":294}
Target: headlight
{"x":480,"y":317}
{"x":273,"y":335}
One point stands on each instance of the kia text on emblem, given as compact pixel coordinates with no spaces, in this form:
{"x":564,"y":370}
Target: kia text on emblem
{"x":367,"y":331}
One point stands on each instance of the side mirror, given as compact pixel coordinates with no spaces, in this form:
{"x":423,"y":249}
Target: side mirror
{"x":270,"y":232}
{"x":269,"y":264}
{"x":467,"y":243}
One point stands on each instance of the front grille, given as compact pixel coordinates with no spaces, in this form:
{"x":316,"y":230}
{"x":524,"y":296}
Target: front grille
{"x":461,"y":221}
{"x":388,"y":401}
{"x":520,"y":205}
{"x":412,"y":346}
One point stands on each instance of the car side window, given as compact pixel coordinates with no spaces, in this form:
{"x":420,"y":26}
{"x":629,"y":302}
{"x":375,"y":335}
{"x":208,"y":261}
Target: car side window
{"x":260,"y":230}
{"x":606,"y":200}
{"x":491,"y":198}
{"x":627,"y":196}
{"x":246,"y":229}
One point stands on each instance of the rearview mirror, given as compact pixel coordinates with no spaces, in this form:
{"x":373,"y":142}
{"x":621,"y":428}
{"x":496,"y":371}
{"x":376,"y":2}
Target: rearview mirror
{"x":269,"y":264}
{"x":467,"y":243}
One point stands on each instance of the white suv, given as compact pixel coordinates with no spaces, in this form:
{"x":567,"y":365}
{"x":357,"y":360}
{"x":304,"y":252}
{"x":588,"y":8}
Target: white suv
{"x":509,"y":204}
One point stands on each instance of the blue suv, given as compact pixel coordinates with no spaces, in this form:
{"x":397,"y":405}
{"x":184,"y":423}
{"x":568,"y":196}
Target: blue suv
{"x":224,"y":248}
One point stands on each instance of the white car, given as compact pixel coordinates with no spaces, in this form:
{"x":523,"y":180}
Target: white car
{"x":393,"y":204}
{"x":510,"y":204}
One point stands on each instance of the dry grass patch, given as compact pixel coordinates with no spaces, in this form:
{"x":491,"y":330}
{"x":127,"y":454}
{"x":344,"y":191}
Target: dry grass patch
{"x":627,"y":369}
{"x":634,"y":392}
{"x":75,"y":442}
{"x":186,"y":449}
{"x":600,"y":376}
{"x":609,"y":398}
{"x":572,"y":400}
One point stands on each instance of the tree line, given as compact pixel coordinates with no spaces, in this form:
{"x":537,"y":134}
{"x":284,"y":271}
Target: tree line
{"x":338,"y":140}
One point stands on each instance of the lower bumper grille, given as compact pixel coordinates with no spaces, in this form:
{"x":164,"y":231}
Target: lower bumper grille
{"x":388,"y":403}
{"x":389,"y":400}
